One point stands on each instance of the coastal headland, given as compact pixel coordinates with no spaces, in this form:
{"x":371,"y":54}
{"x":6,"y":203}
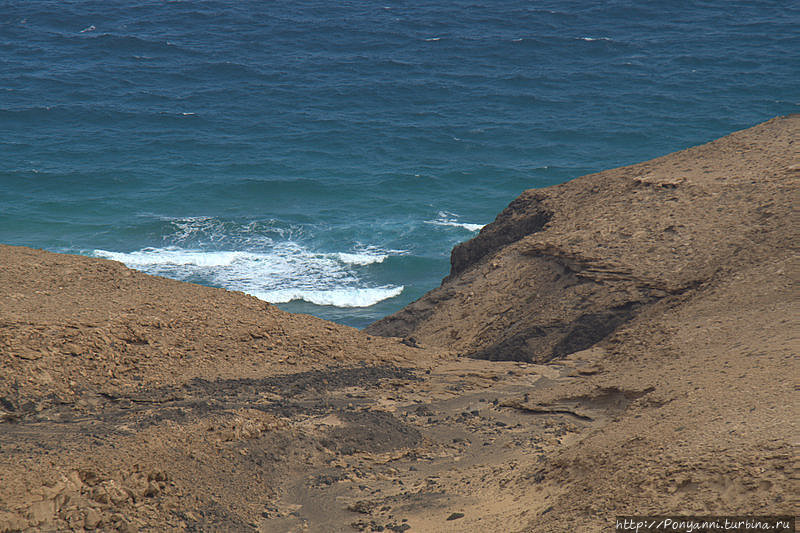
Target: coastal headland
{"x":621,"y":344}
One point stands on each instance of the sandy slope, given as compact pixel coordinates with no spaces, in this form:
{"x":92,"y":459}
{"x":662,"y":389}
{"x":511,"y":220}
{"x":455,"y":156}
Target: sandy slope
{"x":634,"y":346}
{"x":561,"y":267}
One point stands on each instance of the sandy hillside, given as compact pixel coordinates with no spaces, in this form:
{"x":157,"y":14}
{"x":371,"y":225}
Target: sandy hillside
{"x":624,"y":343}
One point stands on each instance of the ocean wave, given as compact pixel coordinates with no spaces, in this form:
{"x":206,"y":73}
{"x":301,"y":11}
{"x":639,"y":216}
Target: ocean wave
{"x":361,"y":259}
{"x":451,"y":219}
{"x":335,"y":297}
{"x":203,"y":231}
{"x":287,"y":253}
{"x":286,"y":272}
{"x":465,"y":225}
{"x":172,"y":256}
{"x":366,"y":255}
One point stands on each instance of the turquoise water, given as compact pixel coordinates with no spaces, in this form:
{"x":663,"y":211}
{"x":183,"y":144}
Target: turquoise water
{"x":326,"y":156}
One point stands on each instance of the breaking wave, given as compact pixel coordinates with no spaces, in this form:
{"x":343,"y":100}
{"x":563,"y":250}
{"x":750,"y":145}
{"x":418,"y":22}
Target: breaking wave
{"x":446,"y":218}
{"x":287,"y":272}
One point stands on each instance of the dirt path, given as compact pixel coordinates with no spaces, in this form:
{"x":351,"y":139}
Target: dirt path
{"x":625,"y":343}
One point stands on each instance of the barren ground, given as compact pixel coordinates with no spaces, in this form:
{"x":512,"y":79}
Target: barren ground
{"x":625,"y":343}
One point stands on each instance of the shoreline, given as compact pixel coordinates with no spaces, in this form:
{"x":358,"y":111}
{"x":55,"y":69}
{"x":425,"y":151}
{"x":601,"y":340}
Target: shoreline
{"x":620,"y":344}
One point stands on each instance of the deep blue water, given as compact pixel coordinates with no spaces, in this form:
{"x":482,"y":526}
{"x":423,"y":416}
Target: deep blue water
{"x":330,"y":154}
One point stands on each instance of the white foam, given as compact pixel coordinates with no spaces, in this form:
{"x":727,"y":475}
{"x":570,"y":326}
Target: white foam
{"x":88,"y":29}
{"x":433,"y":39}
{"x":361,"y":259}
{"x":286,"y":271}
{"x":366,"y":255}
{"x":451,"y":219}
{"x":206,"y":230}
{"x":465,"y":225}
{"x":174,"y":256}
{"x":336,"y":297}
{"x":595,"y":38}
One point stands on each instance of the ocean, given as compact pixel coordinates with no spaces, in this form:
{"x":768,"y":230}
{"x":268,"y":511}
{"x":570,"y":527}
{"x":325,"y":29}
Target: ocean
{"x":326,"y":156}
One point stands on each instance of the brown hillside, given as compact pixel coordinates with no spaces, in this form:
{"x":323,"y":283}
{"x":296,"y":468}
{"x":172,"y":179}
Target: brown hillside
{"x":633,"y":343}
{"x":563,"y":267}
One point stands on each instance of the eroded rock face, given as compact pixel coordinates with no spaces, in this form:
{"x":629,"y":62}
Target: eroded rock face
{"x":522,"y":217}
{"x":135,"y":403}
{"x":562,"y":268}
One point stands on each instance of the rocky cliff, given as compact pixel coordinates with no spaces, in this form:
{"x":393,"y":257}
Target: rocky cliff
{"x":562,"y":268}
{"x":632,"y":343}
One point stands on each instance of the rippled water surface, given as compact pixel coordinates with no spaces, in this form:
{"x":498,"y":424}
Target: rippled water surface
{"x":327,"y":155}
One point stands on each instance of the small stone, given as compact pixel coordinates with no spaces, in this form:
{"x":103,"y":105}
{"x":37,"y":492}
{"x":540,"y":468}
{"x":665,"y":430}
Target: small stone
{"x":28,"y":353}
{"x":455,"y":516}
{"x":411,"y":342}
{"x":362,"y":506}
{"x":92,"y":519}
{"x":12,"y":522}
{"x":42,"y":511}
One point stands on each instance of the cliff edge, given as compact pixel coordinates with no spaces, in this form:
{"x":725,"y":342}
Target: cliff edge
{"x":562,"y":268}
{"x":632,"y":349}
